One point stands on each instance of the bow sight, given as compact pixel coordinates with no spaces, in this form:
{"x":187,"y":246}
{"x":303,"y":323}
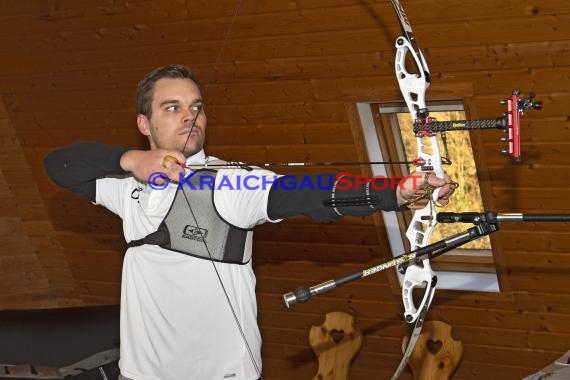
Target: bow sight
{"x":509,"y":123}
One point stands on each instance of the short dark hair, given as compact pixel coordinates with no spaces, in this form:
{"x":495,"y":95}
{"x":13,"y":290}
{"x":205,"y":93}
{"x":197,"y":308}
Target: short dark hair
{"x":146,"y":85}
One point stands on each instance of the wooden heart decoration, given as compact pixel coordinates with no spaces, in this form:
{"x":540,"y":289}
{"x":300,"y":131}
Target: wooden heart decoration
{"x":336,"y":343}
{"x":436,"y":355}
{"x":337,"y":335}
{"x":434,"y":346}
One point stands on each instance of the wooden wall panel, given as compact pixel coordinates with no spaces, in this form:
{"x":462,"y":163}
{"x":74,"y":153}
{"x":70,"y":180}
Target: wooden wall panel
{"x":284,"y":90}
{"x":33,"y":272}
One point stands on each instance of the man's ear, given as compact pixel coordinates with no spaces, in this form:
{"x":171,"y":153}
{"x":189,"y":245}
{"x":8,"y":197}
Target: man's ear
{"x":143,"y":124}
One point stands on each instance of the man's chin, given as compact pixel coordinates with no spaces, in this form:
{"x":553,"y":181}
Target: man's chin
{"x":191,"y":150}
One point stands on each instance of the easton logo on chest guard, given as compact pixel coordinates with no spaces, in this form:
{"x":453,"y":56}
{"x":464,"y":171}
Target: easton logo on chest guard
{"x":194,"y":233}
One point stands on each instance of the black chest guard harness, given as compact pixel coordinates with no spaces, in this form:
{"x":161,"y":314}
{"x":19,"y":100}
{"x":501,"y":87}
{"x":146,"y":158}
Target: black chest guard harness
{"x":213,"y":239}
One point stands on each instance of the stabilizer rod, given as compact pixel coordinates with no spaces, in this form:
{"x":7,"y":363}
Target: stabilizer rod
{"x":303,"y":294}
{"x":494,"y":217}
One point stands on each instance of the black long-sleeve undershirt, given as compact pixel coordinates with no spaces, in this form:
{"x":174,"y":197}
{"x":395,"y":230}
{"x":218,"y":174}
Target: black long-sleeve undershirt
{"x":312,"y":201}
{"x":77,"y":167}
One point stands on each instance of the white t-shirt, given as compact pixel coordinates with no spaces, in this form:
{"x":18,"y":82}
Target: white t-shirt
{"x":176,"y":323}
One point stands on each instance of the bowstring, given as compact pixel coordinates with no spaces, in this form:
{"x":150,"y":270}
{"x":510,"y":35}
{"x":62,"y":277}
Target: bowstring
{"x":202,"y":237}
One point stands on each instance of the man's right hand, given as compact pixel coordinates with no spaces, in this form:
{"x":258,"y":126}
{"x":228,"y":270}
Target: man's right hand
{"x":143,"y":163}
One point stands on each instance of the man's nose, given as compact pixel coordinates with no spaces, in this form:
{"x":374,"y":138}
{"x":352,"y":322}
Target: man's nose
{"x":188,"y":115}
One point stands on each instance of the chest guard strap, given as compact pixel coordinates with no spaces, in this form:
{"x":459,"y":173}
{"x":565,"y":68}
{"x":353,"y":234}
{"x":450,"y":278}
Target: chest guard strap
{"x":213,"y":239}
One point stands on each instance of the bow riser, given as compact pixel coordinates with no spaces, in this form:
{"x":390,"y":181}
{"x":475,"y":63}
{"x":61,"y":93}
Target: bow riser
{"x":413,"y":88}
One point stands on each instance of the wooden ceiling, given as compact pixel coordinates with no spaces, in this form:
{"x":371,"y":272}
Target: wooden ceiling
{"x":285,"y":89}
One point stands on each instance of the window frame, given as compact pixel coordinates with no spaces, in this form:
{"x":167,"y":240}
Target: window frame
{"x":453,"y":280}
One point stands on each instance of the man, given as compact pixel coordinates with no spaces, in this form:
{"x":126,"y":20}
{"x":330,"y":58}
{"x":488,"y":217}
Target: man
{"x":188,"y":307}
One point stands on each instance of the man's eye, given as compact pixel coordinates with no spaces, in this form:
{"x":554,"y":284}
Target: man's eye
{"x":196,"y":107}
{"x":171,"y":108}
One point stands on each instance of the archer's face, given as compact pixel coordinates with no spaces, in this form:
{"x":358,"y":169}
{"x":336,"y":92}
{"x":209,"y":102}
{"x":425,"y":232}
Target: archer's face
{"x":175,"y":104}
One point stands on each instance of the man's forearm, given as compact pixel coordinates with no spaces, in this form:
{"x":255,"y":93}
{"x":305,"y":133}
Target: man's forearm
{"x":77,"y":167}
{"x":328,"y":204}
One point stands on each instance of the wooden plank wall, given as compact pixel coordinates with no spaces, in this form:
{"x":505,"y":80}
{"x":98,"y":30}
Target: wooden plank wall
{"x":34,"y":272}
{"x":285,"y":89}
